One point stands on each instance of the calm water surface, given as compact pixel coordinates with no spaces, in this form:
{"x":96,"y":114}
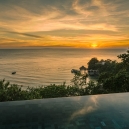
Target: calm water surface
{"x":36,"y":67}
{"x":109,"y":111}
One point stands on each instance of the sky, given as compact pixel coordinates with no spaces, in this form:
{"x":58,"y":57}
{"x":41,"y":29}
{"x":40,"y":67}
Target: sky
{"x":64,"y":23}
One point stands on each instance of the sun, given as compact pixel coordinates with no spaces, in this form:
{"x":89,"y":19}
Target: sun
{"x":94,"y":45}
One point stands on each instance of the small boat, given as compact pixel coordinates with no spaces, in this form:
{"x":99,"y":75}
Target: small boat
{"x":13,"y":72}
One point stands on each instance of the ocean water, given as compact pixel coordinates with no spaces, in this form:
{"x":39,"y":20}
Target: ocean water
{"x":36,"y":67}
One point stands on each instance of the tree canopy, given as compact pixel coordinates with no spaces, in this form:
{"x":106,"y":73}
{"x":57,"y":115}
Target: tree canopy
{"x":92,"y":63}
{"x":115,"y":76}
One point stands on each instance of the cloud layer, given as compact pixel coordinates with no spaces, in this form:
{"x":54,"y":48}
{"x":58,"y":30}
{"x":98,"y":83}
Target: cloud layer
{"x":75,"y":23}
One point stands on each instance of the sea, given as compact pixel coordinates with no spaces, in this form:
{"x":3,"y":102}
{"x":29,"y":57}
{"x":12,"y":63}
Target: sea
{"x":42,"y":67}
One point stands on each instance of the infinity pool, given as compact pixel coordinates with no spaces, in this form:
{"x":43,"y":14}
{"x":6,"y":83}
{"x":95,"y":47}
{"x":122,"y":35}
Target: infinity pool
{"x":110,"y":111}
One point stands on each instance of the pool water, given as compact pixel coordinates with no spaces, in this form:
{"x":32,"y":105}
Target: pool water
{"x":109,"y":111}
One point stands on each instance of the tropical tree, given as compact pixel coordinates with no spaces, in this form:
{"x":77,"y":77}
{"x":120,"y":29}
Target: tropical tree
{"x":92,"y":63}
{"x":125,"y":59}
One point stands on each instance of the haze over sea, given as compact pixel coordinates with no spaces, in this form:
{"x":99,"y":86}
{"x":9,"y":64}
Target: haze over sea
{"x":36,"y":67}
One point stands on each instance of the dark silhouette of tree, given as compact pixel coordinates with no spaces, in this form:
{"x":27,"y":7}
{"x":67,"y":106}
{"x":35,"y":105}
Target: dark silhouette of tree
{"x":92,"y":63}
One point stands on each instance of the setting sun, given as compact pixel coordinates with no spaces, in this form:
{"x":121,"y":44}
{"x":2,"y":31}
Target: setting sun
{"x":94,"y":45}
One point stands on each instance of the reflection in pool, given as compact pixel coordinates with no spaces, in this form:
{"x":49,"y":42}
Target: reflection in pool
{"x":83,"y":112}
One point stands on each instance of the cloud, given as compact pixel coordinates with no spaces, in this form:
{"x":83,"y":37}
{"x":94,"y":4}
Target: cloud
{"x":24,"y":34}
{"x":50,"y":18}
{"x":86,"y":109}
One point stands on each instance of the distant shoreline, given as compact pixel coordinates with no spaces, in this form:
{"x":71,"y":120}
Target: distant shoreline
{"x":33,"y":48}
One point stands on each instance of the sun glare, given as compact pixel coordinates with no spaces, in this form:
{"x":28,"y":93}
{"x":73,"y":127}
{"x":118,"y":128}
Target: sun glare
{"x":94,"y":45}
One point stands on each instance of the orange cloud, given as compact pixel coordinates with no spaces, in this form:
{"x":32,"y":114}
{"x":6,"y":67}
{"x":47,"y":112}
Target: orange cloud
{"x":75,"y":23}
